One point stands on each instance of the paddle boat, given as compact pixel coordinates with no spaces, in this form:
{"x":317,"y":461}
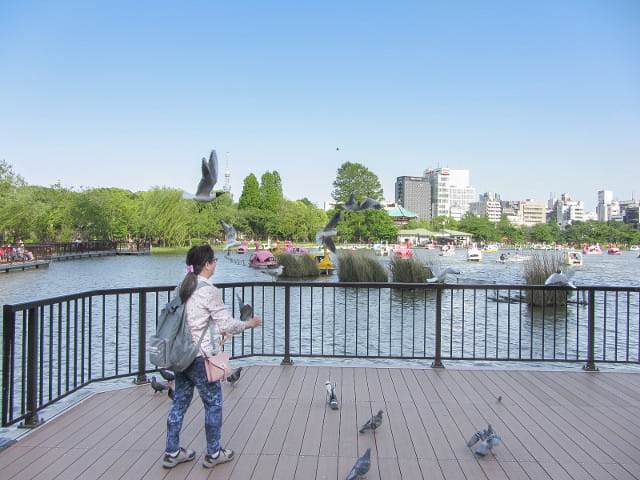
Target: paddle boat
{"x":592,"y":249}
{"x":243,"y":248}
{"x":573,"y":258}
{"x":324,"y":262}
{"x":491,"y":248}
{"x":614,"y":251}
{"x":297,"y":250}
{"x":403,"y":252}
{"x":263,"y":259}
{"x":474,"y":254}
{"x":447,"y":250}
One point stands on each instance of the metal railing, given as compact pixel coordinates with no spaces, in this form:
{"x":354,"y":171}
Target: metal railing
{"x":56,"y":346}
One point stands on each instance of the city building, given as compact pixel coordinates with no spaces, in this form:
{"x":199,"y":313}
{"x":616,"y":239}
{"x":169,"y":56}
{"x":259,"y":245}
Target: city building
{"x":607,"y":207}
{"x":566,"y":210}
{"x":451,"y":193}
{"x":532,"y":212}
{"x":489,"y":206}
{"x":414,"y":194}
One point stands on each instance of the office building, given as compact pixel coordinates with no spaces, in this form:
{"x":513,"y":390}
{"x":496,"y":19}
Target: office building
{"x":451,"y":194}
{"x":414,"y":194}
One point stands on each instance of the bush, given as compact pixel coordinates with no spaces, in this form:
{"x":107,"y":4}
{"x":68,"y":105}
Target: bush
{"x":537,"y":269}
{"x":360,"y":267}
{"x":408,"y":270}
{"x":298,"y":265}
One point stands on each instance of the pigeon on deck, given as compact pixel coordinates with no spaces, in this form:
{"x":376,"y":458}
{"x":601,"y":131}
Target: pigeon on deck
{"x":353,"y":205}
{"x":373,"y":423}
{"x":167,"y":375}
{"x":229,"y":236}
{"x":560,"y":278}
{"x":234,"y":377}
{"x":440,"y":274}
{"x":487,"y":445}
{"x":325,"y":236}
{"x":208,"y":180}
{"x":158,"y":387}
{"x":170,"y":393}
{"x":332,"y":398}
{"x":480,"y":436}
{"x":361,"y":467}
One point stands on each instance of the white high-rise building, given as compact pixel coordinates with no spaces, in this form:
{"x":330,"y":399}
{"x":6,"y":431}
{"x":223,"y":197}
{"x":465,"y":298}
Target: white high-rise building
{"x":606,"y":207}
{"x":451,"y":193}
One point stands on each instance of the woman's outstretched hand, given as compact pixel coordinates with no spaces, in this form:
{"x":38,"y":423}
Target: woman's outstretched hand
{"x":254,"y":322}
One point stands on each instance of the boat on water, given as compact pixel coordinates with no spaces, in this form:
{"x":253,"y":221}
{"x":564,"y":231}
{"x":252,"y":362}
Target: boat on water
{"x":297,"y":250}
{"x":243,"y":248}
{"x":614,"y":251}
{"x":430,"y":246}
{"x":382,"y":250}
{"x":634,"y":247}
{"x":573,"y":258}
{"x":491,"y":248}
{"x":403,"y":252}
{"x":508,"y":258}
{"x":474,"y":255}
{"x":263,"y":259}
{"x":592,"y":249}
{"x":447,"y":250}
{"x":324,"y":262}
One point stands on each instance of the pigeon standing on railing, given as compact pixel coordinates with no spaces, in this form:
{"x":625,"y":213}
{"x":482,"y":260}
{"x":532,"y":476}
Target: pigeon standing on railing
{"x":325,"y":236}
{"x":332,"y":398}
{"x":373,"y":423}
{"x":440,"y":274}
{"x":361,"y":467}
{"x":560,"y":278}
{"x":208,"y":180}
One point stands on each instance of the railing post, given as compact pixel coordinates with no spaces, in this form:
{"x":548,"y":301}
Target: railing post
{"x":590,"y":366}
{"x":142,"y":339}
{"x":8,"y":345}
{"x":437,"y":362}
{"x":287,"y":326}
{"x":31,"y":419}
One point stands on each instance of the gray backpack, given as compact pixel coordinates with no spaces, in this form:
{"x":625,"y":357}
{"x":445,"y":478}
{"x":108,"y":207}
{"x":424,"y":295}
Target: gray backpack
{"x":172,"y":346}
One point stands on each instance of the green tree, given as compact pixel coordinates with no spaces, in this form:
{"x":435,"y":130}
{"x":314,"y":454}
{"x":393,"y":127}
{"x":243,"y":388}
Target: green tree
{"x":480,"y":227}
{"x":355,"y":177}
{"x":270,"y":191}
{"x":250,"y":197}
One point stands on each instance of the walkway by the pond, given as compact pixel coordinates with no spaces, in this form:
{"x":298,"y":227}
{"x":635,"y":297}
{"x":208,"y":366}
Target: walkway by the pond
{"x":554,"y":425}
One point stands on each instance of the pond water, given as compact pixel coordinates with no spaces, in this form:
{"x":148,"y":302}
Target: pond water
{"x":74,"y":276}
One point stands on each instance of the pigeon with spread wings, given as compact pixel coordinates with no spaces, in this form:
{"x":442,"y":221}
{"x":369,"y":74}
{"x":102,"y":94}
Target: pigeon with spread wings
{"x":325,"y":236}
{"x":208,"y":180}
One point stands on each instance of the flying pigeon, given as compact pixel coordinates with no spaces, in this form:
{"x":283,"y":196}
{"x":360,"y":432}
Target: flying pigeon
{"x":560,"y":278}
{"x":373,"y":423}
{"x":274,"y":272}
{"x":440,"y":274}
{"x":229,"y":236}
{"x":361,"y":467}
{"x":158,"y":387}
{"x":367,"y":204}
{"x":246,"y":311}
{"x":167,"y":375}
{"x":479,"y":436}
{"x":332,"y":398}
{"x":487,"y":445}
{"x":208,"y":180}
{"x":234,"y":377}
{"x":325,"y":236}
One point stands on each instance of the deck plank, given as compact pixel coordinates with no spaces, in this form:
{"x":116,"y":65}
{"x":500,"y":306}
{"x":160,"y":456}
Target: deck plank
{"x":555,"y":425}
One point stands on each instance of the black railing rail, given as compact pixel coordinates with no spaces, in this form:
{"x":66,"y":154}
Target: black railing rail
{"x":56,"y":346}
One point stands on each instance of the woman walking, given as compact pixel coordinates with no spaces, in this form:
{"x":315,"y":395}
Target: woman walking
{"x":204,"y":309}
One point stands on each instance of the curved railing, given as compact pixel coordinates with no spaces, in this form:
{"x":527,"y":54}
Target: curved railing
{"x":56,"y":346}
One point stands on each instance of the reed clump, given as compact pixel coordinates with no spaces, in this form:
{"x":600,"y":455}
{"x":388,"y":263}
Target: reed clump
{"x":537,"y":269}
{"x":408,"y":270}
{"x":360,"y":267}
{"x":298,"y":265}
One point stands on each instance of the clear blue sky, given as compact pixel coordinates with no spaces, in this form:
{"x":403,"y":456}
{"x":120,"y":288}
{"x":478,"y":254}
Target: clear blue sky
{"x":532,"y":97}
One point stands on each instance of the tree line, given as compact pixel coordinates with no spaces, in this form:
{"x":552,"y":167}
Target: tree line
{"x":161,"y":215}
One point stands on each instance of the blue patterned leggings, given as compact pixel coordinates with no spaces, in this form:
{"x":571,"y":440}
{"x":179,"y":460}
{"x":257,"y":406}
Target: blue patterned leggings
{"x":211,"y":395}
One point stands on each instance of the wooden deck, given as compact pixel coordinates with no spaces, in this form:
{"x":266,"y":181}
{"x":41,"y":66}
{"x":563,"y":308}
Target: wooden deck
{"x":554,"y":425}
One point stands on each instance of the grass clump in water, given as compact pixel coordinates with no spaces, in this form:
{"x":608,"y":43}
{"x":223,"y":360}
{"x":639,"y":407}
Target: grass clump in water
{"x":537,"y":269}
{"x":298,"y":265}
{"x":360,"y":267}
{"x":408,"y":270}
